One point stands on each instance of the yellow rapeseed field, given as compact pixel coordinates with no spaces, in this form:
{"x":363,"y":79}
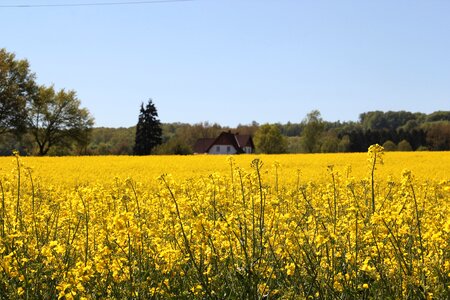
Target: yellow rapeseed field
{"x":321,"y":226}
{"x":103,"y":169}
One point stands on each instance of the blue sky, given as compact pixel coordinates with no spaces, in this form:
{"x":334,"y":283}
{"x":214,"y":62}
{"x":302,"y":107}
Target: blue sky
{"x":235,"y":61}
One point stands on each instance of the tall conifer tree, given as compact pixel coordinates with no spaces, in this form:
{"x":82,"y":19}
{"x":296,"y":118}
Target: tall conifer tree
{"x":148,"y":130}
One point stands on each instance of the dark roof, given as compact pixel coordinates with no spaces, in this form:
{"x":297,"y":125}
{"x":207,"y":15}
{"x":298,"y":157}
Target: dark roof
{"x":238,"y":141}
{"x":245,"y":140}
{"x":203,"y":145}
{"x":227,"y":138}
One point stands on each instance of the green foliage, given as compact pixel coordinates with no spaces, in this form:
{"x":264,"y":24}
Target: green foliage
{"x":423,"y":148}
{"x":438,"y":116}
{"x":404,"y":145}
{"x":173,"y":146}
{"x":112,"y":141}
{"x":344,"y":144}
{"x":148,"y":130}
{"x":268,"y":139}
{"x":294,"y":144}
{"x":391,"y":120}
{"x":189,"y":134}
{"x":56,"y":119}
{"x":329,"y":143}
{"x":249,"y":129}
{"x":409,"y":125}
{"x":17,"y":88}
{"x":312,"y":131}
{"x":291,"y":129}
{"x":438,"y":135}
{"x":389,"y":146}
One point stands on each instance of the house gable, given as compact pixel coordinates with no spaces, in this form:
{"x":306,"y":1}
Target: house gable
{"x":225,"y":143}
{"x":246,"y":143}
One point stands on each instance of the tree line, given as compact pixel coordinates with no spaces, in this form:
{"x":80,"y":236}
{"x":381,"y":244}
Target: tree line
{"x":39,"y":120}
{"x":395,"y":130}
{"x":421,"y":132}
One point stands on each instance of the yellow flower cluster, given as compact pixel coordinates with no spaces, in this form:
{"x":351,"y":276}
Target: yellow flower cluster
{"x":250,"y":228}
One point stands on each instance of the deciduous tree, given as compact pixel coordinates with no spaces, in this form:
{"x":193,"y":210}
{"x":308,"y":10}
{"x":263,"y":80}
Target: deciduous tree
{"x":438,"y":136}
{"x":389,"y":146}
{"x":312,"y":131}
{"x":268,"y":139}
{"x":17,"y":88}
{"x":404,"y":145}
{"x":55,"y":118}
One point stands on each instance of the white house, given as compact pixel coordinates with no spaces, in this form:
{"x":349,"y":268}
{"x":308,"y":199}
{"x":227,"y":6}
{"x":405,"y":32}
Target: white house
{"x":225,"y":143}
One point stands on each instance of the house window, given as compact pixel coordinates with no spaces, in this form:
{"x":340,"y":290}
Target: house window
{"x":228,"y":148}
{"x":217,"y":148}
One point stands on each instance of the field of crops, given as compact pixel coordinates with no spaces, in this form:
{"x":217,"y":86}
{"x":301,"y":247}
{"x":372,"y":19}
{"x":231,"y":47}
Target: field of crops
{"x":325,"y":226}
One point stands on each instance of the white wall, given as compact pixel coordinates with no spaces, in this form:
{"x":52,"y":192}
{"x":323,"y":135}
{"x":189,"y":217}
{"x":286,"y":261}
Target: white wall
{"x":247,"y":149}
{"x":222,"y":149}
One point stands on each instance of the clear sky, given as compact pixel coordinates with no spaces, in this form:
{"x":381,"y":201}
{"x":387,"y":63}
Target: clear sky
{"x":235,"y":61}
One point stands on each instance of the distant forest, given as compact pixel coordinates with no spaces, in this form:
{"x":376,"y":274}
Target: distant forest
{"x":396,"y":131}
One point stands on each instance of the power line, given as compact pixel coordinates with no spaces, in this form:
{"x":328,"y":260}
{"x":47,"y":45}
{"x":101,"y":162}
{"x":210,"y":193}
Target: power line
{"x":91,"y":4}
